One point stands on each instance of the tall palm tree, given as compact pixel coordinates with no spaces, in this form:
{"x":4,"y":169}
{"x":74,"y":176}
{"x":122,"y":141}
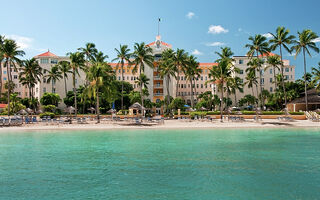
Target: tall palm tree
{"x":258,"y":45}
{"x":54,"y":75}
{"x":123,"y":55}
{"x":142,"y":56}
{"x":77,"y":63}
{"x":316,"y":76}
{"x":275,"y":62}
{"x":236,"y":85}
{"x":251,"y":80}
{"x":99,"y":57}
{"x":65,"y":69}
{"x":10,"y":53}
{"x":143,"y":81}
{"x":192,"y":72}
{"x":98,"y":74}
{"x":256,"y":63}
{"x":180,"y":60}
{"x":281,"y":39}
{"x":89,"y":51}
{"x":305,"y":42}
{"x":167,"y":70}
{"x":1,"y":60}
{"x":30,"y":74}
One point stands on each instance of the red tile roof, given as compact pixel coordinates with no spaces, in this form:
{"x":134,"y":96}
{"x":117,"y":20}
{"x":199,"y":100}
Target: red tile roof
{"x":3,"y":105}
{"x":268,"y":54}
{"x":163,"y":43}
{"x":208,"y":64}
{"x":47,"y":54}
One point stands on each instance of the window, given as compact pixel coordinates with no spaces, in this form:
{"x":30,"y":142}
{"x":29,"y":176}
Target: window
{"x":291,"y":76}
{"x":241,"y":71}
{"x":54,"y":61}
{"x":287,"y":69}
{"x":44,"y":90}
{"x":37,"y":90}
{"x":185,"y":85}
{"x":270,"y":71}
{"x":271,"y":89}
{"x":201,"y":85}
{"x":44,"y":80}
{"x":290,"y":69}
{"x":241,"y":80}
{"x":158,"y":101}
{"x":76,"y":80}
{"x":287,"y":77}
{"x":119,"y":72}
{"x":206,"y":78}
{"x":53,"y":90}
{"x":202,"y":78}
{"x":262,"y":81}
{"x":15,"y":76}
{"x":119,"y":78}
{"x":262,"y":71}
{"x":44,"y":60}
{"x":197,"y":85}
{"x":188,"y":85}
{"x":270,"y":80}
{"x":240,"y":62}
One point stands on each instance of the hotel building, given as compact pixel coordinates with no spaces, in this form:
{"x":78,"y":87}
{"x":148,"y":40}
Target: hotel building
{"x":157,"y":88}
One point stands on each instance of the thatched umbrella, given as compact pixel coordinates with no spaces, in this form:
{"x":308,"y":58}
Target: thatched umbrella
{"x":39,"y":111}
{"x":70,"y":109}
{"x":23,"y":112}
{"x":91,"y":109}
{"x":29,"y":111}
{"x":203,"y":109}
{"x":111,"y":111}
{"x":137,"y":106}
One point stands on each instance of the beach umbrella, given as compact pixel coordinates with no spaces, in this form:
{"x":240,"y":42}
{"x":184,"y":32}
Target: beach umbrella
{"x":91,"y":109}
{"x":203,"y":109}
{"x":70,"y":109}
{"x":29,"y":110}
{"x":111,"y":111}
{"x":22,"y":112}
{"x":190,"y":109}
{"x":136,"y":106}
{"x":186,"y":106}
{"x":39,"y":111}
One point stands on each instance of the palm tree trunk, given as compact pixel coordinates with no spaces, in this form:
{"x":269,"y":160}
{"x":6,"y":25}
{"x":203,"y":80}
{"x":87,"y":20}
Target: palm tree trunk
{"x":122,"y":85}
{"x":305,"y":79}
{"x":260,"y":80}
{"x":8,"y":73}
{"x":141,"y":94}
{"x":168,"y":92}
{"x":275,"y":78}
{"x":74,"y":91}
{"x":178,"y":79}
{"x":221,"y":103}
{"x":283,"y":86}
{"x":191,"y":93}
{"x":195,"y":89}
{"x":97,"y":106}
{"x":52,"y":86}
{"x":235,"y":98}
{"x":65,"y":85}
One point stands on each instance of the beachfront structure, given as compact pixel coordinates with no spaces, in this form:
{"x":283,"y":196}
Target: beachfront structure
{"x":299,"y":104}
{"x":157,"y":87}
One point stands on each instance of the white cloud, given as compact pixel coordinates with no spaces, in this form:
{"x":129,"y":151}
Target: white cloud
{"x":267,"y":35}
{"x":217,"y":29}
{"x":215,"y":44}
{"x":196,"y":52}
{"x":190,"y":15}
{"x":22,"y":41}
{"x":316,"y":40}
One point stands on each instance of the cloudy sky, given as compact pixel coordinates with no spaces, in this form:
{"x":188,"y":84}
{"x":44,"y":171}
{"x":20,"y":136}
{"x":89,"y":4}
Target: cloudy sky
{"x":200,"y":27}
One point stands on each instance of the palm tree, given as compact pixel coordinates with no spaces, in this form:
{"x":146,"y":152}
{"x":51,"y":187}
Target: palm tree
{"x":304,"y":43}
{"x":236,"y":85}
{"x":180,"y":60}
{"x":10,"y":53}
{"x":316,"y":76}
{"x":99,"y":57}
{"x":251,"y":80}
{"x":258,"y":45}
{"x":77,"y":63}
{"x":65,"y":69}
{"x":281,"y":39}
{"x":89,"y":51}
{"x":192,"y":72}
{"x":275,"y":62}
{"x":30,"y":74}
{"x":123,"y":56}
{"x":255,"y":64}
{"x":98,"y":74}
{"x":1,"y":60}
{"x":143,"y":81}
{"x":142,"y":56}
{"x":167,"y":70}
{"x":54,"y":74}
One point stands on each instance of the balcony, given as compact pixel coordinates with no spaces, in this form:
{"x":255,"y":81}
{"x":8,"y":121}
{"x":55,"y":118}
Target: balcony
{"x":157,"y":78}
{"x":158,"y":86}
{"x":158,"y":94}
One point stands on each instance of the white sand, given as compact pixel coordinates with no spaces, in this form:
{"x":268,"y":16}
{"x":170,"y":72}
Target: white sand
{"x":168,"y":124}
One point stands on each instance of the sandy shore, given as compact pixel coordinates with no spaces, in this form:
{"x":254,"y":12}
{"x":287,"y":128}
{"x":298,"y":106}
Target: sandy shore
{"x":168,"y":124}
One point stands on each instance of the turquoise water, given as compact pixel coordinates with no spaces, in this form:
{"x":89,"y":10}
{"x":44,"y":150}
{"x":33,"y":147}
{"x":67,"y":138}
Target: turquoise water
{"x":161,"y":164}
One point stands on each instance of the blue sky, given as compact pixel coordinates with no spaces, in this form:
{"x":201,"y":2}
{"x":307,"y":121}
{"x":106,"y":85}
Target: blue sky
{"x":196,"y":26}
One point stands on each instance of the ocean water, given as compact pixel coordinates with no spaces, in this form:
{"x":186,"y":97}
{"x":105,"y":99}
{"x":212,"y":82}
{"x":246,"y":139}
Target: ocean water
{"x":222,"y":164}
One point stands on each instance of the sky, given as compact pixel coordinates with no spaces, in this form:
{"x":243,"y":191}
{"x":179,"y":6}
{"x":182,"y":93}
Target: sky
{"x":200,"y":27}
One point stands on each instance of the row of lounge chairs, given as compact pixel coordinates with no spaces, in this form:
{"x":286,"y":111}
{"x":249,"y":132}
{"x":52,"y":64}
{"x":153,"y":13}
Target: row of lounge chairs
{"x":15,"y":121}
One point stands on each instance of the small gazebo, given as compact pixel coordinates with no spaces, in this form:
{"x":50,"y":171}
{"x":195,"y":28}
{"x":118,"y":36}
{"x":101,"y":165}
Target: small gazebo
{"x":136,"y":107}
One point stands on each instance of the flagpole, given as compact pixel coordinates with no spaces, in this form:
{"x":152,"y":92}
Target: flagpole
{"x":158,"y":26}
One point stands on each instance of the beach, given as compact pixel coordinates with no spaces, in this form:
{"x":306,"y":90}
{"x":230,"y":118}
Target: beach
{"x":168,"y":124}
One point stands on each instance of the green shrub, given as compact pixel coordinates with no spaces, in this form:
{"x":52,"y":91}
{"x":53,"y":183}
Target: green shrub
{"x":245,"y":112}
{"x":296,"y":113}
{"x":272,"y":113}
{"x":213,"y":113}
{"x":181,"y":113}
{"x":46,"y":114}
